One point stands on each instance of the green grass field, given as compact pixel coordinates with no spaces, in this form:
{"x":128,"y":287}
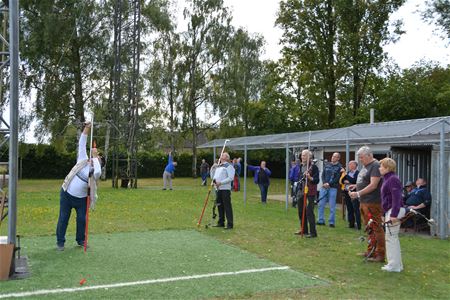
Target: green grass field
{"x":148,"y":234}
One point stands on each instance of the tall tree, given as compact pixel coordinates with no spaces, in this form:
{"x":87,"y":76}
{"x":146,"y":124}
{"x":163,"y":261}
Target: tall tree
{"x":310,"y":35}
{"x":363,"y":29}
{"x":331,"y":49}
{"x":240,"y":80}
{"x":165,"y":78}
{"x":418,"y":92}
{"x":438,"y":12}
{"x":64,"y":63}
{"x":202,"y":49}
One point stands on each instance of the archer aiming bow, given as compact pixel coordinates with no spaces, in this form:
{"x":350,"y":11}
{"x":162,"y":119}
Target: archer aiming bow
{"x":210,"y":186}
{"x":305,"y":187}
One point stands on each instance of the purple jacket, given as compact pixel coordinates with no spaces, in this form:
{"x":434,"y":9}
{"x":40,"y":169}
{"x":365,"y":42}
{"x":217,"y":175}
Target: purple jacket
{"x":391,"y":193}
{"x":256,"y":170}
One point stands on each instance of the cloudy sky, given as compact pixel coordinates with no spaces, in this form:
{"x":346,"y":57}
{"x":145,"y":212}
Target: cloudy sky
{"x":419,"y":42}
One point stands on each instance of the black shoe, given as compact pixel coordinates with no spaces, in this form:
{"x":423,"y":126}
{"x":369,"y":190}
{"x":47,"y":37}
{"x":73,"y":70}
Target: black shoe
{"x":218,"y":225}
{"x":309,"y":236}
{"x":331,"y":225}
{"x":351,"y":226}
{"x":319,"y":223}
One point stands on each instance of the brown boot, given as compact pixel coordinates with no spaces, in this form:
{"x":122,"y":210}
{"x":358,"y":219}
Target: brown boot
{"x":376,"y":259}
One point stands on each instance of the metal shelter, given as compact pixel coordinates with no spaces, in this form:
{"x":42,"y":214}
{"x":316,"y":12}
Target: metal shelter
{"x":432,"y":132}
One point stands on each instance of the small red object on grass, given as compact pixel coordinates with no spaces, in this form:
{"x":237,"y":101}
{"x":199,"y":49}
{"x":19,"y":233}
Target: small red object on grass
{"x":82,"y":281}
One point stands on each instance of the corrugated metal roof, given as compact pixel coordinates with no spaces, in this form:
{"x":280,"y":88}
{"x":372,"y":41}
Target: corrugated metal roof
{"x":418,"y":131}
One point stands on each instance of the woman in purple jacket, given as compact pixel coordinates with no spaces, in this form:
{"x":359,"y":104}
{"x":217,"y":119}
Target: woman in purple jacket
{"x":261,"y":178}
{"x":391,"y":201}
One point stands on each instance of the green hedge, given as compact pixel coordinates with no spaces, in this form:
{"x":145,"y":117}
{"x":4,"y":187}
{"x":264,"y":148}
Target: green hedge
{"x":45,"y":162}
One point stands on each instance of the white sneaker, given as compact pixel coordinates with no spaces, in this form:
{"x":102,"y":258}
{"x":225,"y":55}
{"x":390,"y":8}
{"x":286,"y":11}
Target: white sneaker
{"x":388,"y":268}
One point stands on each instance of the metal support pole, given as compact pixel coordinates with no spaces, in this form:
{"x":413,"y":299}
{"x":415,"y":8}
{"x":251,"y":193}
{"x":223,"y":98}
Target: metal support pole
{"x":287,"y":176}
{"x":245,"y":175}
{"x":347,"y":151}
{"x":214,"y":154}
{"x":442,"y":201}
{"x":14,"y":118}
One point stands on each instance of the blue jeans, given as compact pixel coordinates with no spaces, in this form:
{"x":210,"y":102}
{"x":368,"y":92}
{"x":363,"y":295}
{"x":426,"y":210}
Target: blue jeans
{"x":327,"y":195}
{"x":264,"y":188}
{"x":204,"y":178}
{"x":66,"y":203}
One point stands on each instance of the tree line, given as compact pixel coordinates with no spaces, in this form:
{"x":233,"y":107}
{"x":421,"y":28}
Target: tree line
{"x":207,"y":76}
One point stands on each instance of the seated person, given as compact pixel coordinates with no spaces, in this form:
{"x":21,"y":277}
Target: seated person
{"x":407,"y":188}
{"x":419,"y":198}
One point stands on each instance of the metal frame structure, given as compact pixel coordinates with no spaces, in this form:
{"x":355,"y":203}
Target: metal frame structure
{"x":9,"y":56}
{"x":131,"y":23}
{"x":428,"y":131}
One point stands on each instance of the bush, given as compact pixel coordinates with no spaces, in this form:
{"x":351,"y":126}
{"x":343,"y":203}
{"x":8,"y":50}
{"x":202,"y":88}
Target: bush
{"x":45,"y":162}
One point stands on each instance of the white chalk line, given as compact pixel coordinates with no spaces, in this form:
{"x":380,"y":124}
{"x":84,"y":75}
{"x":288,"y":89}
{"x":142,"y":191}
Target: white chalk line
{"x":134,"y":283}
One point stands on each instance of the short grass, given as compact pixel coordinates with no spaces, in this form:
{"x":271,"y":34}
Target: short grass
{"x":266,"y":231}
{"x":138,"y":256}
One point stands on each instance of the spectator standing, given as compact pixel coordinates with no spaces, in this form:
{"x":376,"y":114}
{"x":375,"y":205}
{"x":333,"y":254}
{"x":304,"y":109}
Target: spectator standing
{"x":204,"y":171}
{"x":328,"y":192}
{"x":261,"y":178}
{"x":169,"y":171}
{"x":238,"y":169}
{"x":310,"y":175}
{"x":368,"y":186}
{"x":391,"y":201}
{"x":353,"y":214}
{"x":294,"y":176}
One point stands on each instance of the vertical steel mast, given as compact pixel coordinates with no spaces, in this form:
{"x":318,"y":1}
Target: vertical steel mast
{"x":124,"y":114}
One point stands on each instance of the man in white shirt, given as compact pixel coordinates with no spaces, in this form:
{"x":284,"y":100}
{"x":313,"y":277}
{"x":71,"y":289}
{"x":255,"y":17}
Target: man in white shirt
{"x":222,"y":178}
{"x":74,"y":191}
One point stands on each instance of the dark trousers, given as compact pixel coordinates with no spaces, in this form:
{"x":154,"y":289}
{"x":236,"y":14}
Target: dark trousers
{"x":264,"y":188}
{"x":224,"y":207}
{"x":66,"y":203}
{"x":310,"y":217}
{"x":353,"y":213}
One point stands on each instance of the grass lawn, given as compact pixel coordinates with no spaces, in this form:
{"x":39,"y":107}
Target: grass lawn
{"x":264,"y":232}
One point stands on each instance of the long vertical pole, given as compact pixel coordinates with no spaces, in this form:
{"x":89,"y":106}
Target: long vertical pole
{"x":245,"y":175}
{"x":443,"y":227}
{"x":347,"y":150}
{"x":287,"y":176}
{"x":14,"y":118}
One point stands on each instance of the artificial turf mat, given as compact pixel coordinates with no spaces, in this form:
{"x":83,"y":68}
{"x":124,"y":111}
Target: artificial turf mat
{"x":138,"y":256}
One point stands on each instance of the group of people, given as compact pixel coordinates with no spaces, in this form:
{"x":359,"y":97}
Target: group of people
{"x":374,"y":193}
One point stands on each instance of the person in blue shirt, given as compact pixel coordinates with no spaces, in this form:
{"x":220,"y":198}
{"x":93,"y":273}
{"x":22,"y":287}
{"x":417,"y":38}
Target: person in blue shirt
{"x":419,"y":198}
{"x":328,"y":192}
{"x":294,"y":176}
{"x":168,"y":172}
{"x":261,"y":178}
